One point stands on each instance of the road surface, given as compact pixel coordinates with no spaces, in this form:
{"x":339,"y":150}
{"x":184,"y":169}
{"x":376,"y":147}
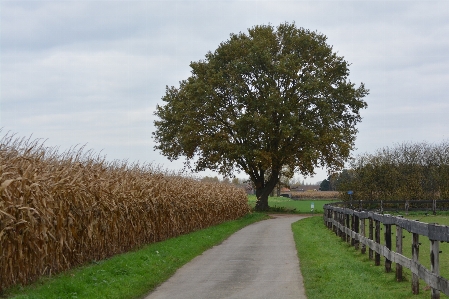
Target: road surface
{"x":259,"y":261}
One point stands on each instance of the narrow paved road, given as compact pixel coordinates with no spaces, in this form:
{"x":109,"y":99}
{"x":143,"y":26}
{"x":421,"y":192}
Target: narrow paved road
{"x":259,"y":261}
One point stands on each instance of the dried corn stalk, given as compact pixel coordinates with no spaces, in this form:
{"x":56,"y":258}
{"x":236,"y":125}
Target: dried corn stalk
{"x":58,"y":211}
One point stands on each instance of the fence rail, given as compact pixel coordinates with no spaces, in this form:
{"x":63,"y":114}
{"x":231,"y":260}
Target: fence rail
{"x":349,"y":224}
{"x":431,"y":206}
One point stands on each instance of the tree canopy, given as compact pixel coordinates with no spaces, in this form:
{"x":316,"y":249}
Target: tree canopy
{"x":407,"y":171}
{"x":271,"y":99}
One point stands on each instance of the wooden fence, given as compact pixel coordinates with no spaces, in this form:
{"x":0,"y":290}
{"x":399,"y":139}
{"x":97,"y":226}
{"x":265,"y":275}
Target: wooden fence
{"x":430,"y":206}
{"x":349,"y":224}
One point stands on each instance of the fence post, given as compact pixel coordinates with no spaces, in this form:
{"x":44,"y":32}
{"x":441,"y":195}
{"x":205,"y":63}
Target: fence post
{"x":388,"y":245}
{"x":334,"y":218}
{"x":356,"y":229}
{"x":330,"y":218}
{"x":370,"y":237}
{"x":340,"y":222}
{"x":415,"y":258}
{"x":348,"y":225}
{"x":377,"y":240}
{"x":434,"y":207}
{"x":435,"y":262}
{"x":399,"y":250}
{"x":343,"y":223}
{"x":326,"y":218}
{"x":407,"y":206}
{"x":362,"y":231}
{"x":353,"y":229}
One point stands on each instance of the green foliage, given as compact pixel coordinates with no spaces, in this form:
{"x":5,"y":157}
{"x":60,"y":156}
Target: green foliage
{"x":265,"y":100}
{"x":325,"y":185}
{"x":405,"y":172}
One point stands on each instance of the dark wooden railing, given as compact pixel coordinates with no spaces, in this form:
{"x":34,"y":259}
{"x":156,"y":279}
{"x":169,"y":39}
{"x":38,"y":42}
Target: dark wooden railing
{"x":406,"y":206}
{"x":349,"y":224}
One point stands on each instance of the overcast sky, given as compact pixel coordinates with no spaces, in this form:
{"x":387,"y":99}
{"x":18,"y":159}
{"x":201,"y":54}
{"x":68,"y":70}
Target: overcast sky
{"x":77,"y":72}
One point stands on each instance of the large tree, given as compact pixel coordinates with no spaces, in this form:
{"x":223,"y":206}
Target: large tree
{"x":263,"y":101}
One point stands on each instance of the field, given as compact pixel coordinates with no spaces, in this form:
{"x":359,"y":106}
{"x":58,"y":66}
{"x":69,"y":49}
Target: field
{"x":334,"y":270}
{"x":361,"y":264}
{"x":315,"y":194}
{"x":424,"y":248}
{"x":331,"y":267}
{"x":287,"y":205}
{"x":62,"y":210}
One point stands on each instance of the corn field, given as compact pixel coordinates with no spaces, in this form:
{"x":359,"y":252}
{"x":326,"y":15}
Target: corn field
{"x":61,"y":210}
{"x":315,"y":195}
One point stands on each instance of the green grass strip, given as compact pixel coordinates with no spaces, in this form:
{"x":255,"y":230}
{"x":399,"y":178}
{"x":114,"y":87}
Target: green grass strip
{"x":133,"y":274}
{"x":333,"y":269}
{"x":294,"y":206}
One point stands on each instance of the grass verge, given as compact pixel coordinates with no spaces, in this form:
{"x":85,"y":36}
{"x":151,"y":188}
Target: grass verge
{"x":333,"y":269}
{"x":133,"y":274}
{"x":288,"y":205}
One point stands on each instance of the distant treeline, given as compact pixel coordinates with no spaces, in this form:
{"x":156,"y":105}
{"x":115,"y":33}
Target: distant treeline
{"x":408,"y":171}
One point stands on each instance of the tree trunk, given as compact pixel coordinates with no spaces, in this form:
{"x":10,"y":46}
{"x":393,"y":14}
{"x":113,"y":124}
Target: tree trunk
{"x":263,"y":190}
{"x":262,"y":199}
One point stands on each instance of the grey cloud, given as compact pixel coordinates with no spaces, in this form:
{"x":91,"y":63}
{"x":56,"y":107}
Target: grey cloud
{"x":44,"y":25}
{"x":92,"y":71}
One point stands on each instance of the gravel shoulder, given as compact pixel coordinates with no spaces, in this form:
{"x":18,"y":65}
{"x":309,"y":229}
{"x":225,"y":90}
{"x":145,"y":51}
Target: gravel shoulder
{"x":259,"y":261}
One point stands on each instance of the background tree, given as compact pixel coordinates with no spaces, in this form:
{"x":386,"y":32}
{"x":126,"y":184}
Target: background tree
{"x":408,"y":171}
{"x":325,"y":185}
{"x":268,"y":99}
{"x":235,"y":181}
